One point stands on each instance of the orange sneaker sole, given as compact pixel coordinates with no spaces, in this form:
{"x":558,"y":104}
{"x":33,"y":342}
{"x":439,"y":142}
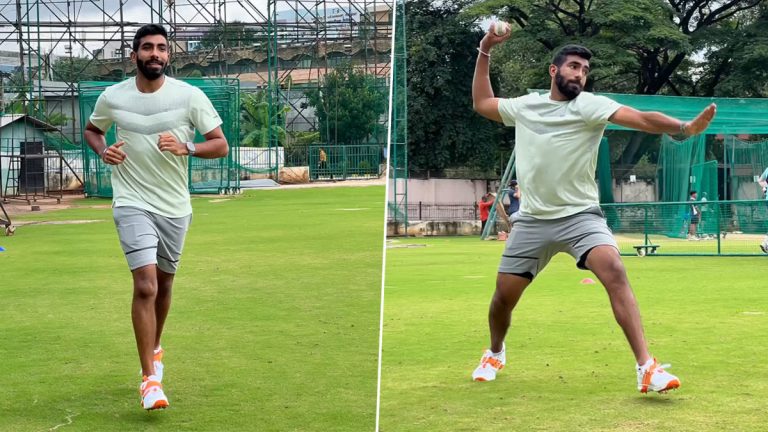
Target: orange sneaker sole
{"x":161,"y":404}
{"x":672,"y":385}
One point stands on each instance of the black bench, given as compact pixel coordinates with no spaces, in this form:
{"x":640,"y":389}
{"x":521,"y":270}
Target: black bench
{"x":643,"y":250}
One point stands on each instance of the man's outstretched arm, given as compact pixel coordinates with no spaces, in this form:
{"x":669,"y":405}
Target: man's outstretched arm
{"x":483,"y":100}
{"x":658,"y":123}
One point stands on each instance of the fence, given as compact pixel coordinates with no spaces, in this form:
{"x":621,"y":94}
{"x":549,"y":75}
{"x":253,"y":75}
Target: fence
{"x":715,"y":228}
{"x":442,"y":212}
{"x":337,"y":162}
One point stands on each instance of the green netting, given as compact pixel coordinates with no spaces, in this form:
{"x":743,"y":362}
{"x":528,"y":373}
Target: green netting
{"x":674,"y":169}
{"x":745,"y":161}
{"x":397,"y":156}
{"x":604,"y":176}
{"x":675,"y":177}
{"x":205,"y":175}
{"x":54,"y":141}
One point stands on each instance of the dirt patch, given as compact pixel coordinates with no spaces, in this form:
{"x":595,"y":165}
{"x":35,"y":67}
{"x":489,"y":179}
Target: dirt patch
{"x":321,"y":184}
{"x":396,"y":244}
{"x":65,"y":222}
{"x":18,"y":207}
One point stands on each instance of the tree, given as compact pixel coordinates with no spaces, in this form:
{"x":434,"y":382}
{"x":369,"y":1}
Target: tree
{"x":443,"y":130}
{"x":735,"y":66}
{"x":254,"y":120}
{"x":74,"y":69}
{"x":229,"y":35}
{"x":348,"y":104}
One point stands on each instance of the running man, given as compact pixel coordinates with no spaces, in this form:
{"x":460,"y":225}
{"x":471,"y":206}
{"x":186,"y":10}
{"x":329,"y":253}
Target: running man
{"x":156,"y":118}
{"x":557,"y":136}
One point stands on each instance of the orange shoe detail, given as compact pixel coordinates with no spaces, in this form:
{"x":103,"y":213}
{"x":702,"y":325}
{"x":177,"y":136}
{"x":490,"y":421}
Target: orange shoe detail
{"x":493,"y":361}
{"x":647,"y":377}
{"x":674,"y":384}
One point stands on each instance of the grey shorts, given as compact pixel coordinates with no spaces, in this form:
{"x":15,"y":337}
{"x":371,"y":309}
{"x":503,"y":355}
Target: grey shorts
{"x":148,"y":238}
{"x":533,"y":242}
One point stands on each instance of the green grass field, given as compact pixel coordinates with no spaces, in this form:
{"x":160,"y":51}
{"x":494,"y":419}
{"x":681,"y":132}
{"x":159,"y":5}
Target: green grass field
{"x":274,"y":325}
{"x":569,"y":367}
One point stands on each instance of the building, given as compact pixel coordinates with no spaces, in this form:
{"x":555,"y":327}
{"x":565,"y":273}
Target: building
{"x":22,"y":136}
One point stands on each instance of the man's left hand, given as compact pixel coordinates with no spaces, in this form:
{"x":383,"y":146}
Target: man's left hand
{"x":167,"y":142}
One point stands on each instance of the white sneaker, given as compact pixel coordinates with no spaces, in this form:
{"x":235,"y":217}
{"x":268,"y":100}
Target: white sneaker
{"x":652,"y":377}
{"x":157,"y":362}
{"x":152,"y":396}
{"x":490,"y":364}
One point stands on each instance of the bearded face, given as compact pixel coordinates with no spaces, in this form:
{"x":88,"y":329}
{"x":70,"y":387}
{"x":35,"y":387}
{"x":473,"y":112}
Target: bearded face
{"x":152,"y":69}
{"x":570,"y":88}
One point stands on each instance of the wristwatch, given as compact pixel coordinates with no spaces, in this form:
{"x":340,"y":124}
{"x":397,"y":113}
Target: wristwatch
{"x":191,"y":148}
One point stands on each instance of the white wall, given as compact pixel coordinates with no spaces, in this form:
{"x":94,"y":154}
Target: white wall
{"x":639,"y":191}
{"x":458,"y":191}
{"x":444,"y":191}
{"x":260,"y":158}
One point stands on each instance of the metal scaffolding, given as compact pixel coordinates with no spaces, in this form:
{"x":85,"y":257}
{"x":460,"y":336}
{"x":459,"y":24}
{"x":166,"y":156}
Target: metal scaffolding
{"x":48,"y":46}
{"x":398,"y":147}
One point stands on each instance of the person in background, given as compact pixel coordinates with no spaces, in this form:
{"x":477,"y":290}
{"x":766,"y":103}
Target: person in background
{"x":695,"y":218}
{"x":514,"y":198}
{"x":763,"y":181}
{"x":484,"y":205}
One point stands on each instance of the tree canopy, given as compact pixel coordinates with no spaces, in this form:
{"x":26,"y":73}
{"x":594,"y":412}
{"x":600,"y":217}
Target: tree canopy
{"x":74,"y":69}
{"x":349,"y":105}
{"x":443,"y":130}
{"x":668,"y":47}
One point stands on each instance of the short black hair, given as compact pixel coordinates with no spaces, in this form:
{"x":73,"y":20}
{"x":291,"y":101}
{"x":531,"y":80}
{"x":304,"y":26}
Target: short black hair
{"x":513,"y":183}
{"x":692,"y":192}
{"x":148,"y":30}
{"x":571,"y":49}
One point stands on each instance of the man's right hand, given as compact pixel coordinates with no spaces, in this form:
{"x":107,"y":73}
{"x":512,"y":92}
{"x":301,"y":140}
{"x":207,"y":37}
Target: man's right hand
{"x":113,"y":154}
{"x":701,"y":122}
{"x":491,"y":39}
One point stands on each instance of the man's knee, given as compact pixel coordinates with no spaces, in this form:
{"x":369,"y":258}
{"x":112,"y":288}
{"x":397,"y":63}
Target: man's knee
{"x":509,"y":287}
{"x":614,"y":274}
{"x":144,"y":283}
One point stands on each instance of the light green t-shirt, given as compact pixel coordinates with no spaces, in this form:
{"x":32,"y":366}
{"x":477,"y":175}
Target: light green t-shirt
{"x":148,"y":178}
{"x":556,"y":146}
